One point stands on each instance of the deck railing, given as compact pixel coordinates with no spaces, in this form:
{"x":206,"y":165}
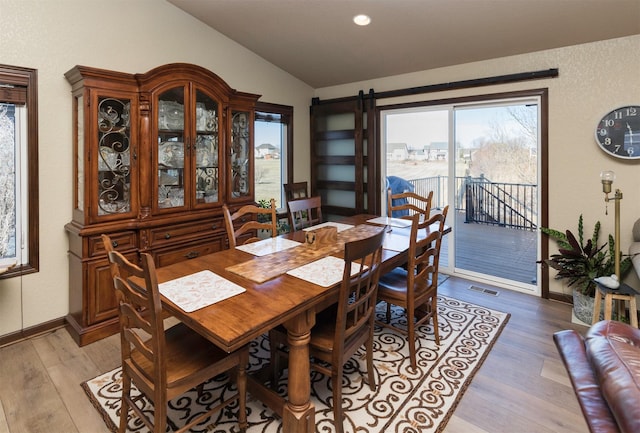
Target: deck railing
{"x":482,"y":201}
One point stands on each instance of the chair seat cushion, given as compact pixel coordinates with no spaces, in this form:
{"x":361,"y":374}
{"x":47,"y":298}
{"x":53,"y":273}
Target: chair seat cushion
{"x":393,"y":285}
{"x":324,"y":330}
{"x":187,"y":349}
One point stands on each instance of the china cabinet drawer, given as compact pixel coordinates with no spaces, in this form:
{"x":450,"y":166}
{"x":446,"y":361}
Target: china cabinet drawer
{"x":185,"y":232}
{"x":168,"y":257}
{"x":121,"y":242}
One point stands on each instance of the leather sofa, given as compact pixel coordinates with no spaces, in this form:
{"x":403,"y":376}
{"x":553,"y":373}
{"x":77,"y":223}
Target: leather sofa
{"x":604,"y":368}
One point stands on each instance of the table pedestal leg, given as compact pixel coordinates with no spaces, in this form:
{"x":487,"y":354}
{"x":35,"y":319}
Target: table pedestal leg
{"x":299,"y":413}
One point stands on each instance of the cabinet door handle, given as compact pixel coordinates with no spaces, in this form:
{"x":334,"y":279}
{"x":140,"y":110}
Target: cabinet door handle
{"x":115,"y":244}
{"x":214,"y":226}
{"x":192,"y":254}
{"x":167,"y":236}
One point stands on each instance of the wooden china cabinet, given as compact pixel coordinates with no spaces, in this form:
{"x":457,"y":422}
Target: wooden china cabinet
{"x":155,"y":157}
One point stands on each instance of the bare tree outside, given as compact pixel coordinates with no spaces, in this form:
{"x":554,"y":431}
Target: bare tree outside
{"x":7,"y":184}
{"x":506,"y":151}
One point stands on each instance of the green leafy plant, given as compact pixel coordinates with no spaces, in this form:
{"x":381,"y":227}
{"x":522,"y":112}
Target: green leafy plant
{"x":282,"y":226}
{"x":579,"y":262}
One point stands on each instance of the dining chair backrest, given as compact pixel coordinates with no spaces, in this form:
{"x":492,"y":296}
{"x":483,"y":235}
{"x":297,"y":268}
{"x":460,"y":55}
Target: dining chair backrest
{"x":258,"y":218}
{"x":140,"y":312}
{"x":108,"y":247}
{"x":295,"y":190}
{"x":154,"y":358}
{"x":424,"y":254}
{"x":357,"y":299}
{"x":404,"y":205}
{"x":305,"y":212}
{"x":416,"y":288}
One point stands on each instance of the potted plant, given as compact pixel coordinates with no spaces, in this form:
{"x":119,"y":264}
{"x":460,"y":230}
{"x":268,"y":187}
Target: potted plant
{"x":579,"y":263}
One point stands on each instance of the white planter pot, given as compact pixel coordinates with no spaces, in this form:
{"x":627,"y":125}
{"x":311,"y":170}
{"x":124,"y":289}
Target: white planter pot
{"x":583,"y":307}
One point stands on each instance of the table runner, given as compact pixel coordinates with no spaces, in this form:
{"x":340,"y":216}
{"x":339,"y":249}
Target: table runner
{"x":264,"y":268}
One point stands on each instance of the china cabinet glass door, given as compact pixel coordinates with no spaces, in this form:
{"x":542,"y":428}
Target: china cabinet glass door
{"x":206,"y":149}
{"x":188,"y":148}
{"x":241,"y":167}
{"x":171,"y":148}
{"x":114,"y":156}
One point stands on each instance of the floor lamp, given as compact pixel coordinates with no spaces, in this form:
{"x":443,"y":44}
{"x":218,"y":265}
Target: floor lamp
{"x":607,"y":178}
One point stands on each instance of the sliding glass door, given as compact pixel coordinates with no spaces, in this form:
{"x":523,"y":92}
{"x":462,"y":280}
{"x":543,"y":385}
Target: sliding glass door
{"x":481,"y":159}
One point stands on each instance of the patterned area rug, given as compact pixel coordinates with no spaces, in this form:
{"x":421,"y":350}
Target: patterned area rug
{"x":404,"y":401}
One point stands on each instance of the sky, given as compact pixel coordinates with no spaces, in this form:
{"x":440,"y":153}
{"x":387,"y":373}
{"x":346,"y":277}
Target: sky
{"x":267,"y":132}
{"x":418,"y":128}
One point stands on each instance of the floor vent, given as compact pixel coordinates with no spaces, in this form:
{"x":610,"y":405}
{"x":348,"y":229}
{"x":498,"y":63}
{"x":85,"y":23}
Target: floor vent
{"x":485,"y":291}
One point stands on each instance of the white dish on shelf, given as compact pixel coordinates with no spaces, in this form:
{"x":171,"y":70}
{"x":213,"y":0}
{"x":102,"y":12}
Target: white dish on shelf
{"x":108,"y":159}
{"x":170,"y":115}
{"x":171,"y":154}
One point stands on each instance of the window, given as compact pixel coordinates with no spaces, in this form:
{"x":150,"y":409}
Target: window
{"x":273,"y":151}
{"x":18,"y":170}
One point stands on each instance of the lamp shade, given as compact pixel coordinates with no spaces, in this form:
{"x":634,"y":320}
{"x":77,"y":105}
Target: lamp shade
{"x":607,"y":178}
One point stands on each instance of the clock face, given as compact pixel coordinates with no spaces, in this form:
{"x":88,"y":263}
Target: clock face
{"x":618,"y":133}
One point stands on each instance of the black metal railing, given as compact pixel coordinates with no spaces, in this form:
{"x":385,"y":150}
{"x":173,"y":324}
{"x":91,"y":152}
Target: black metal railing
{"x":485,"y":202}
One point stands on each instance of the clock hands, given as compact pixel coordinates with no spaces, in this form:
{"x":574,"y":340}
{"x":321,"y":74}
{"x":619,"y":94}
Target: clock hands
{"x":630,"y":134}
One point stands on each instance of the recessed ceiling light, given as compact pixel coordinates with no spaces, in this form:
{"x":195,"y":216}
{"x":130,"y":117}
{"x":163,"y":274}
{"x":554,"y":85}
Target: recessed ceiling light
{"x":362,"y":20}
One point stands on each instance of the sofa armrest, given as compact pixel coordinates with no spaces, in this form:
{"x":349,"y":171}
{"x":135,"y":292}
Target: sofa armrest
{"x":613,"y":350}
{"x":596,"y":412}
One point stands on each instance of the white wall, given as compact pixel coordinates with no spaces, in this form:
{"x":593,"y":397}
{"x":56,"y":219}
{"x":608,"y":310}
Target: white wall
{"x":130,"y":36}
{"x":593,"y":79}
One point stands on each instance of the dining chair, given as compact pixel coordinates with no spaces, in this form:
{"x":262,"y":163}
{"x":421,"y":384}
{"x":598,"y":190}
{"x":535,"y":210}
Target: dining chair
{"x":164,"y":364}
{"x":405,"y":204}
{"x":258,"y":218}
{"x":416,"y":287}
{"x":295,"y":190}
{"x":304,"y":212}
{"x":345,"y":327}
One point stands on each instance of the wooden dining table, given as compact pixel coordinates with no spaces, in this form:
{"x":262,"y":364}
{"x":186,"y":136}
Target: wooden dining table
{"x":284,"y":299}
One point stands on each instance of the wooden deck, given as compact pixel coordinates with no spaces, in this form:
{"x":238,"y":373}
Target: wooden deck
{"x":493,"y":250}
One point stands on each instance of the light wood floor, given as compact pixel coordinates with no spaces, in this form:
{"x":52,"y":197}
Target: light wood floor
{"x":522,"y":386}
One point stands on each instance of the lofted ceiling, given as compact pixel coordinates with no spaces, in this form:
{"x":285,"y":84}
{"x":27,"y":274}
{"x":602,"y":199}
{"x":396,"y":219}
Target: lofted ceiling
{"x":317,"y":42}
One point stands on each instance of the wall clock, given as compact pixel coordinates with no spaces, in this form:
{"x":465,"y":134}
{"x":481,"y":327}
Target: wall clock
{"x":618,"y":132}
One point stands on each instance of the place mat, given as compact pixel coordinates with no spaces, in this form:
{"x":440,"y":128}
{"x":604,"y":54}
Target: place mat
{"x":395,"y":242}
{"x":198,"y":290}
{"x":395,"y":222}
{"x":340,"y":226}
{"x":268,"y":246}
{"x":324,"y":272}
{"x":261,"y":269}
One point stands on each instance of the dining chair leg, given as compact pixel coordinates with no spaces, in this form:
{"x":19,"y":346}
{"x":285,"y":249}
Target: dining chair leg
{"x":411,"y":337}
{"x":160,"y":416}
{"x":124,"y":406}
{"x":388,"y":312}
{"x":275,"y":357}
{"x":434,"y":313}
{"x":370,"y":371}
{"x":336,"y":383}
{"x":241,"y":382}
